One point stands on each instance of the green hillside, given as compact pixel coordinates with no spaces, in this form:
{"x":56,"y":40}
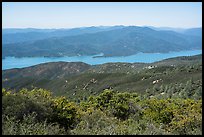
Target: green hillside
{"x":61,"y":98}
{"x":77,"y":80}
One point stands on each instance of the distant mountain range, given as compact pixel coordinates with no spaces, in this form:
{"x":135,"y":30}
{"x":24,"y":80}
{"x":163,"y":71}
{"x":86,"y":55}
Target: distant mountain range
{"x":15,"y":35}
{"x":196,"y":31}
{"x":109,"y":40}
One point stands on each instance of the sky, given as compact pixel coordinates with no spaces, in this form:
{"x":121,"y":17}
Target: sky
{"x":84,"y":14}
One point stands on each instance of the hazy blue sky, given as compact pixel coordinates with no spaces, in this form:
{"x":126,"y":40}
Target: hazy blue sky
{"x":78,"y":14}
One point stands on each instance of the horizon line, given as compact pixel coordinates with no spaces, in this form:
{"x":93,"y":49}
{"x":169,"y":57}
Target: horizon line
{"x":103,"y":26}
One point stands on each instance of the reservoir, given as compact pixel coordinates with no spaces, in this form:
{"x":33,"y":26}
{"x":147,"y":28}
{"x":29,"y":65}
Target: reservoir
{"x":12,"y":62}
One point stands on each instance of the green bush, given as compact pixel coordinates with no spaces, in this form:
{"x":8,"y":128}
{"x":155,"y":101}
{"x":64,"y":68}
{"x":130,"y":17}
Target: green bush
{"x":66,"y":113}
{"x":180,"y":116}
{"x":29,"y":126}
{"x":5,"y":93}
{"x":17,"y":105}
{"x":187,"y":118}
{"x":121,"y":105}
{"x":40,"y":101}
{"x":95,"y":122}
{"x":110,"y":113}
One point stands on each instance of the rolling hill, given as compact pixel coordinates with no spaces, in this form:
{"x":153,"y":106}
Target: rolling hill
{"x":80,"y":79}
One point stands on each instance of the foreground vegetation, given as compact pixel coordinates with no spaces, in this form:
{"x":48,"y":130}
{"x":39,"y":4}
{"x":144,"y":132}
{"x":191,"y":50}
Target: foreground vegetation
{"x":37,"y":111}
{"x":158,"y":98}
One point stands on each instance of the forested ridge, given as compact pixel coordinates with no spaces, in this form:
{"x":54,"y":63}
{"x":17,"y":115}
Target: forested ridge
{"x":76,"y":79}
{"x":128,"y":40}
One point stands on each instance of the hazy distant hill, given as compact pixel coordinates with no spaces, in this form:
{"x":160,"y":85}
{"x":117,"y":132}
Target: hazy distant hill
{"x":191,"y":31}
{"x":194,"y":32}
{"x":24,"y":30}
{"x":115,"y":41}
{"x":167,"y":29}
{"x":32,"y":34}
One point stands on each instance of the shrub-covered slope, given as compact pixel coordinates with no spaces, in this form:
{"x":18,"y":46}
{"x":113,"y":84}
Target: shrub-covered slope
{"x":38,"y":112}
{"x":76,"y":80}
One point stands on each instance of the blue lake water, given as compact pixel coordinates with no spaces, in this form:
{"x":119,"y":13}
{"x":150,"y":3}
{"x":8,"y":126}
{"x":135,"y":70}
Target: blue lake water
{"x":12,"y":62}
